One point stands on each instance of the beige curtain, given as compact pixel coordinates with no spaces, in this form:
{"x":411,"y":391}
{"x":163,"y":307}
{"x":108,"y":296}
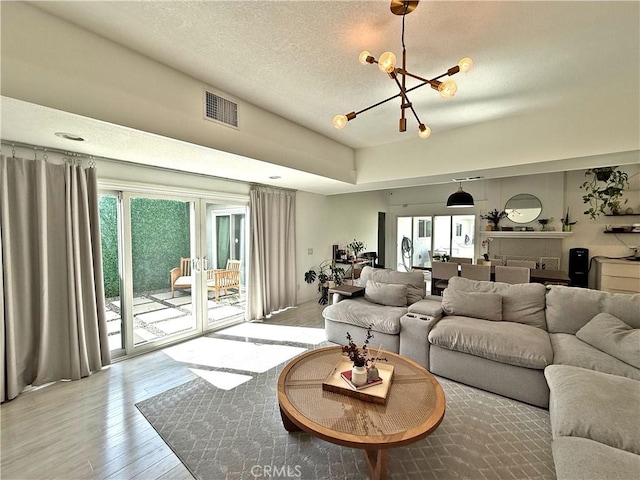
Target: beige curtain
{"x":53,"y":313}
{"x":272,"y":257}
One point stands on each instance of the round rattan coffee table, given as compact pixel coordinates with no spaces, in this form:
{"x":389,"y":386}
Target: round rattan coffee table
{"x":415,"y":406}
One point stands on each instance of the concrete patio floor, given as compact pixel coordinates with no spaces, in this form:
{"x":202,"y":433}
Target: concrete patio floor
{"x":157,"y":315}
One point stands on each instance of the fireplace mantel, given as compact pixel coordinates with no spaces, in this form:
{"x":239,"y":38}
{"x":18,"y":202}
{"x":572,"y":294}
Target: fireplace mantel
{"x":516,"y":234}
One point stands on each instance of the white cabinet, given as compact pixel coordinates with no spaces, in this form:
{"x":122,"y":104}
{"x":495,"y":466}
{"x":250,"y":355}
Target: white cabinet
{"x":617,"y":276}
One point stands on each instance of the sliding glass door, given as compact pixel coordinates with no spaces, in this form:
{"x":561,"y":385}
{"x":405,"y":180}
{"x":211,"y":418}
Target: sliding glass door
{"x":423,"y":238}
{"x":163,"y":270}
{"x":174,"y":267}
{"x":225,"y":228}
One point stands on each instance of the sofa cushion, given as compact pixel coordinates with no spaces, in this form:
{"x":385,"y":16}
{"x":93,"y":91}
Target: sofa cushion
{"x":570,"y":350}
{"x":487,"y":306}
{"x":363,"y":313}
{"x":594,"y":405}
{"x":413,"y":280}
{"x":521,"y":303}
{"x":611,"y":335}
{"x":510,"y":343}
{"x":430,"y":306}
{"x":390,"y":294}
{"x":570,"y":308}
{"x":578,"y":458}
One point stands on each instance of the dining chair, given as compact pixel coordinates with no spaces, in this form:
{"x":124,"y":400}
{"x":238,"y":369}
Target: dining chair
{"x":513,"y":274}
{"x":521,"y":263}
{"x":476,"y":272}
{"x":460,"y":260}
{"x":441,"y":272}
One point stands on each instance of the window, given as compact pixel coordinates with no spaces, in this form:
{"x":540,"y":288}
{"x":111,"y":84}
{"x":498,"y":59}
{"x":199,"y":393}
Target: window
{"x":420,"y":239}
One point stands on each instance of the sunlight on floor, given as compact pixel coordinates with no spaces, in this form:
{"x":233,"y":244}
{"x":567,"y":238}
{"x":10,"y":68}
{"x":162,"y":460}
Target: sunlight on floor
{"x":214,"y":352}
{"x":223,"y":380}
{"x":284,"y":333}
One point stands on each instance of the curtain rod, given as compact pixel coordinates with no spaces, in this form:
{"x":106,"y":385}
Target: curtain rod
{"x":71,"y":153}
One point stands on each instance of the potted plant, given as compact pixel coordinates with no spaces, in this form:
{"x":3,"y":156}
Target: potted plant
{"x":566,"y":223}
{"x":326,"y":272}
{"x":356,"y":247}
{"x":494,"y":217}
{"x":607,"y":197}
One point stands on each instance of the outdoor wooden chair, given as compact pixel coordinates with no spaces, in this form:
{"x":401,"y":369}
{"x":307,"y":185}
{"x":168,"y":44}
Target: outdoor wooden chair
{"x":222,"y":280}
{"x":181,"y":276}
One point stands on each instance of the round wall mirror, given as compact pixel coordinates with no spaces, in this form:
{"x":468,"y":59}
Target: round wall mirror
{"x":523,"y":208}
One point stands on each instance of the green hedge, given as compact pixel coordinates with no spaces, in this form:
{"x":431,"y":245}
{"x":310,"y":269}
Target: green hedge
{"x":160,"y":232}
{"x":109,"y":233}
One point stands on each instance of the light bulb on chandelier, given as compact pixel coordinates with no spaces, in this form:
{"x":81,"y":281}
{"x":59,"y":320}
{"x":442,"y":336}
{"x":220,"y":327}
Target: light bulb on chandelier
{"x":424,"y":131}
{"x":387,"y":63}
{"x":448,"y":89}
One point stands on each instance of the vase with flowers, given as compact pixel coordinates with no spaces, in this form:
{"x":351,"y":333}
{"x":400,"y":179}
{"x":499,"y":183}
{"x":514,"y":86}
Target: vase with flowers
{"x":494,"y":217}
{"x":359,"y":355}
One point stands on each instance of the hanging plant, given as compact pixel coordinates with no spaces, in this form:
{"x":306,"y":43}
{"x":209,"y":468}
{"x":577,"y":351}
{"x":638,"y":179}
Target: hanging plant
{"x":607,"y":197}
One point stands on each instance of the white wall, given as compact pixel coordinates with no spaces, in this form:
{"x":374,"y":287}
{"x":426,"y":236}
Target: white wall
{"x":51,"y":62}
{"x":540,"y":136}
{"x":588,"y":233}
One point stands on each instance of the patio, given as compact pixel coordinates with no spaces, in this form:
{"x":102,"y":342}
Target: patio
{"x":157,"y":315}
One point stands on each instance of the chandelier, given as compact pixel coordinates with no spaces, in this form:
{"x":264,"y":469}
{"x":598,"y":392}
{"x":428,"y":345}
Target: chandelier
{"x":387,"y":64}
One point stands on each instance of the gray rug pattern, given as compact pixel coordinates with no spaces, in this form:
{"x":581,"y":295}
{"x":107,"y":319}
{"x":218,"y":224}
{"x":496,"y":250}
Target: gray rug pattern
{"x":238,"y":434}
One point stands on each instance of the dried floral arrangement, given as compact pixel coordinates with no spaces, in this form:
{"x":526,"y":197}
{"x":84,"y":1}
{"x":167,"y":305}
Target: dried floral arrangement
{"x":494,"y":216}
{"x":360,"y":355}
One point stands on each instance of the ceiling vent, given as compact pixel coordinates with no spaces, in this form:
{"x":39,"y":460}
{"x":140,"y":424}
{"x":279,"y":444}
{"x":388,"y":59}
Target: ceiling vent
{"x":466,"y":179}
{"x":220,"y":109}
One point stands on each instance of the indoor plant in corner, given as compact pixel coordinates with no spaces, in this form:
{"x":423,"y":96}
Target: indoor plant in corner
{"x":326,"y":272}
{"x":607,"y":198}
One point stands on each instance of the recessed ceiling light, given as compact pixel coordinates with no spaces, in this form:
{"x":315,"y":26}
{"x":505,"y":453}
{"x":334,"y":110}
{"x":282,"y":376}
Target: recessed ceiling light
{"x":275,"y":177}
{"x":69,"y":136}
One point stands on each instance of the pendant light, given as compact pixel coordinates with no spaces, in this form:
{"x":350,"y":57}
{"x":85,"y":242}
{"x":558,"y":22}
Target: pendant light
{"x":460,"y":199}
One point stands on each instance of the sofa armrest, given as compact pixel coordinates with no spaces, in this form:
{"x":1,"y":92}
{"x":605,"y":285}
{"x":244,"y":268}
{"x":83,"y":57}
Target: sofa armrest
{"x":414,"y":333}
{"x":430,"y":306}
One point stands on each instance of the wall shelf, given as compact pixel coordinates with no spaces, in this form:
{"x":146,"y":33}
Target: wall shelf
{"x":516,"y":234}
{"x":619,"y":233}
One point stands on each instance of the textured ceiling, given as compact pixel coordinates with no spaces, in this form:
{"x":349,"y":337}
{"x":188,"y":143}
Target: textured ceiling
{"x":298,"y":59}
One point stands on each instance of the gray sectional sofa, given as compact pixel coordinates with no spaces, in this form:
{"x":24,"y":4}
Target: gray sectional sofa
{"x":574,"y":350}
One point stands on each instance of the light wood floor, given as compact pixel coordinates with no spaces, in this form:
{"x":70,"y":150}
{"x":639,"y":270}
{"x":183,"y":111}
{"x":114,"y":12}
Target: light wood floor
{"x":91,"y":428}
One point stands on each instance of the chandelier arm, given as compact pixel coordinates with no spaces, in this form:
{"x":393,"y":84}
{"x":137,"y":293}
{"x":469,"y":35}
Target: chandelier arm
{"x":406,"y":102}
{"x":378,"y":104}
{"x":418,"y":77}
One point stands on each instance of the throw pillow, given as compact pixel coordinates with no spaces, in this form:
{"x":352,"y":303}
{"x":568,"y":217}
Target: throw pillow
{"x":487,"y":306}
{"x":390,"y":294}
{"x":612,"y":336}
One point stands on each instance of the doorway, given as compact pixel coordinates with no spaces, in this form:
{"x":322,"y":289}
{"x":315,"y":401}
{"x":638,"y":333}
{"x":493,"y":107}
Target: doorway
{"x":163,"y":259}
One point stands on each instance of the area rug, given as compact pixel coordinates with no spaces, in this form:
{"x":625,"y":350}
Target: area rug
{"x":238,"y":434}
